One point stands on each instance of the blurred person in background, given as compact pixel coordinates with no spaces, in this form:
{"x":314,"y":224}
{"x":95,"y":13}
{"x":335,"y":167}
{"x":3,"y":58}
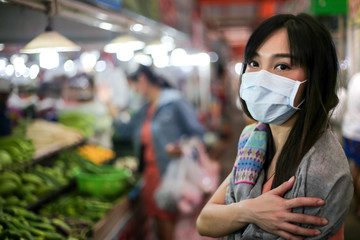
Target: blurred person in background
{"x":5,"y":122}
{"x":351,"y":134}
{"x":156,"y":128}
{"x":80,"y":94}
{"x":290,"y":178}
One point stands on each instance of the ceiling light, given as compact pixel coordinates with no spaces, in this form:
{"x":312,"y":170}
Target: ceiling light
{"x":136,"y":27}
{"x":125,"y":55}
{"x":124,"y":42}
{"x":50,"y":40}
{"x":49,"y":59}
{"x":143,"y":59}
{"x":106,"y":26}
{"x":161,"y":45}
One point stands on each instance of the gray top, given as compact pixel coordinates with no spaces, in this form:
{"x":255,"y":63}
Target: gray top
{"x":324,"y":173}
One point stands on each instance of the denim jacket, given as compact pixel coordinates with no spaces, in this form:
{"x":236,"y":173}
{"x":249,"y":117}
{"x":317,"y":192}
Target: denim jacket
{"x":174,"y":117}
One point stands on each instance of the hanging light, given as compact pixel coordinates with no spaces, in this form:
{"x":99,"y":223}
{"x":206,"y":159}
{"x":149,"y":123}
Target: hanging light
{"x":50,"y":39}
{"x":166,"y":43}
{"x":124,"y":42}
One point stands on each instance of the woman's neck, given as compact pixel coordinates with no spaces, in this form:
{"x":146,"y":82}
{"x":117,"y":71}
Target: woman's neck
{"x":154,"y":95}
{"x":280,"y":133}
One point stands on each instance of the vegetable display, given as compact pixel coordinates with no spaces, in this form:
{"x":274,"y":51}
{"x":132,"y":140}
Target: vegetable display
{"x":15,"y":150}
{"x":77,"y":120}
{"x":51,"y":136}
{"x":19,"y":223}
{"x":96,"y":154}
{"x":38,"y":160}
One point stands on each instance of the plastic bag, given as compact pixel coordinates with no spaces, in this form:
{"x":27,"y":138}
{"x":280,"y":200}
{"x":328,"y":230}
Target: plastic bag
{"x":208,"y":176}
{"x":167,"y":195}
{"x":187,"y":179}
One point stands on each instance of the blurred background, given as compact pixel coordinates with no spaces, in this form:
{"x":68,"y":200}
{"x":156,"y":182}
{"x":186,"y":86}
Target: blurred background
{"x":55,"y":54}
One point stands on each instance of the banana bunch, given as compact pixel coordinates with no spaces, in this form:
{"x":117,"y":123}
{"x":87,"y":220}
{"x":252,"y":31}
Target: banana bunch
{"x":20,"y":129}
{"x":15,"y":150}
{"x":18,"y":223}
{"x":82,"y":207}
{"x":24,"y":188}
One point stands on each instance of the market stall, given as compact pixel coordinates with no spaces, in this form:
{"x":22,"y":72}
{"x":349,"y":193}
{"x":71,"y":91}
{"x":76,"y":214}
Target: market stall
{"x":63,"y":175}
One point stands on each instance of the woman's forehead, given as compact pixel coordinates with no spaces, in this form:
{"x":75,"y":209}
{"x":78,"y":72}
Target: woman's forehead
{"x":276,"y":43}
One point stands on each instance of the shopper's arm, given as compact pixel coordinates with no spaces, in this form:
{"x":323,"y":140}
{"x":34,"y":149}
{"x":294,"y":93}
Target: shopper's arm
{"x":187,"y":118}
{"x":269,"y":211}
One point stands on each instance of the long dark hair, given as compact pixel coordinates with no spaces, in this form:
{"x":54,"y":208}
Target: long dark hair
{"x":152,"y":77}
{"x":311,"y":46}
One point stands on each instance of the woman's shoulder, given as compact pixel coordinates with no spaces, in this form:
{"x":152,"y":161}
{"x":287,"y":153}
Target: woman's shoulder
{"x":328,"y":149}
{"x":325,"y":161}
{"x":325,"y":173}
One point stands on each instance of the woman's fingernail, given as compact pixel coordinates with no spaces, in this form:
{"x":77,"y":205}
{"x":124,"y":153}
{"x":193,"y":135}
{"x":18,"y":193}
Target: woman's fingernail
{"x":324,"y":221}
{"x":317,"y":232}
{"x":320,"y":202}
{"x":290,"y":179}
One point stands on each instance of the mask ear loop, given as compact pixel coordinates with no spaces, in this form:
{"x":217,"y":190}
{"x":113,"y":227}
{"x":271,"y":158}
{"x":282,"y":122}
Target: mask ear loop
{"x":293,"y":98}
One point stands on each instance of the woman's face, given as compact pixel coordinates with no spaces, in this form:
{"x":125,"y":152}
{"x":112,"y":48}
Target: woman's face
{"x":141,"y":86}
{"x":273,"y":55}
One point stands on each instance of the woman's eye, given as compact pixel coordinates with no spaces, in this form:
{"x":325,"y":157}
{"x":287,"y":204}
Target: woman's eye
{"x":282,"y":67}
{"x":253,"y":64}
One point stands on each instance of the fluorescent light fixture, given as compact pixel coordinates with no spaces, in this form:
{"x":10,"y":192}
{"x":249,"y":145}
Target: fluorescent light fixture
{"x":106,"y":26}
{"x":137,"y":27}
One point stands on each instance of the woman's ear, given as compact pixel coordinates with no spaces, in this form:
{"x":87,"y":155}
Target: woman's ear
{"x":142,"y":78}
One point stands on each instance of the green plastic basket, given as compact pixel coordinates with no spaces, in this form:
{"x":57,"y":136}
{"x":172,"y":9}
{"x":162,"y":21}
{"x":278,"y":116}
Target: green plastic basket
{"x":112,"y":182}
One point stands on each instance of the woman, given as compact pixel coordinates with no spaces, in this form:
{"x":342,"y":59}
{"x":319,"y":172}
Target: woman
{"x":156,"y":128}
{"x":291,"y":178}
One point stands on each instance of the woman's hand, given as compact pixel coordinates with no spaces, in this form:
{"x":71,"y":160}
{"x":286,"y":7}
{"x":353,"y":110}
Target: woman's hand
{"x":174,"y":150}
{"x":272,"y":213}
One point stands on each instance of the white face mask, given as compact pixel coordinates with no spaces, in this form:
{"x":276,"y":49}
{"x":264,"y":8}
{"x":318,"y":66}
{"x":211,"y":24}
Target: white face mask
{"x":269,"y":97}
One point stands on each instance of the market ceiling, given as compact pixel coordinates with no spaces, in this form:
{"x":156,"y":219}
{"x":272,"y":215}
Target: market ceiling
{"x":235,"y":18}
{"x":232,"y":2}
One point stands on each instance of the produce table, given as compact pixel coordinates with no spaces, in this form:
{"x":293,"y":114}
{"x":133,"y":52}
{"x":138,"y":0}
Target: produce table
{"x":50,"y":187}
{"x":125,"y":221}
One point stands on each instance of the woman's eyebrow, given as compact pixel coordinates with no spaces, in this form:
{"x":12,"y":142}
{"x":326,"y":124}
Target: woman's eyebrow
{"x":276,"y":55}
{"x":282,"y":55}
